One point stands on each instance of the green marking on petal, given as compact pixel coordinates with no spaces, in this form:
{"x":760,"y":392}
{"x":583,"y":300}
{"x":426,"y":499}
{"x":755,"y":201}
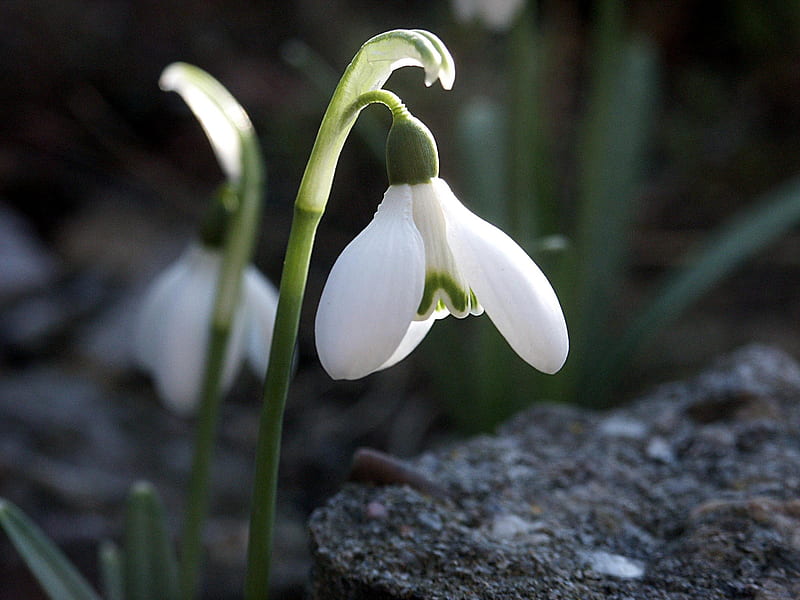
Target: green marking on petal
{"x":457,"y":301}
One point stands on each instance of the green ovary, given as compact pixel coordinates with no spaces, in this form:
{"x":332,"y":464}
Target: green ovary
{"x":456,"y":299}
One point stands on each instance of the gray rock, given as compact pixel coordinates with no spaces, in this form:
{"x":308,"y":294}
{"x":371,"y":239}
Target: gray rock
{"x":26,"y":265}
{"x":701,"y":499}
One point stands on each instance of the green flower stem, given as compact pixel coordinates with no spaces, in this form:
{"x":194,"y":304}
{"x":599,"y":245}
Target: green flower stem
{"x":276,"y":388}
{"x":197,"y":501}
{"x":240,"y":238}
{"x":385,"y":97}
{"x":359,"y":86}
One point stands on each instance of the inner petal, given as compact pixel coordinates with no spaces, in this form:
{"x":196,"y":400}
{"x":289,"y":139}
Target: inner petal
{"x":445,"y":285}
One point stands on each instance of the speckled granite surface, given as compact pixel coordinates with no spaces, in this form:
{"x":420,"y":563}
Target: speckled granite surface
{"x":690,"y":492}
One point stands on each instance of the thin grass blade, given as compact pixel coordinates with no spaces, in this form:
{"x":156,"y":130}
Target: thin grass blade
{"x":57,"y":576}
{"x":150,"y":566}
{"x":742,"y":237}
{"x":111,"y":575}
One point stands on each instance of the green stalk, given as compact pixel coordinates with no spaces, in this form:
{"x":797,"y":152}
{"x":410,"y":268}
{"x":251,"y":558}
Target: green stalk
{"x":197,"y":500}
{"x":276,"y":388}
{"x":360,"y":85}
{"x":309,"y":206}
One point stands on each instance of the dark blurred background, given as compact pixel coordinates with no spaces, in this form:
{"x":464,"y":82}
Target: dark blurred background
{"x":103,"y":178}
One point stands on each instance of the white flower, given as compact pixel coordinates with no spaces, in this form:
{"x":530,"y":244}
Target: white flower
{"x":424,"y":256}
{"x":497,"y":15}
{"x":174,"y":324}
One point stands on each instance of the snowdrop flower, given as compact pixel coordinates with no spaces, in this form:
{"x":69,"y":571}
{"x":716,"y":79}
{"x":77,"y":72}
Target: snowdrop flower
{"x":497,"y":15}
{"x":212,"y":286}
{"x":174,"y":325}
{"x":425,"y":256}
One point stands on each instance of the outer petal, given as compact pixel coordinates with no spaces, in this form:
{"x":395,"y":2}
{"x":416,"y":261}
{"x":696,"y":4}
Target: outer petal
{"x":497,"y":15}
{"x":515,"y":293}
{"x":173,"y":330}
{"x":414,"y":335}
{"x":260,"y":304}
{"x":152,"y":317}
{"x":372,"y":292}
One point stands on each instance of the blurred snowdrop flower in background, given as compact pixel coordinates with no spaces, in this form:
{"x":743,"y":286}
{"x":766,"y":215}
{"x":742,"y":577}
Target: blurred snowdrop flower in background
{"x":175,"y":320}
{"x":497,"y":15}
{"x":205,"y":292}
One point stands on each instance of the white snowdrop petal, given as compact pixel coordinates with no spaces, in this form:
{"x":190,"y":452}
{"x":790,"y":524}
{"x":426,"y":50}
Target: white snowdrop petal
{"x":260,"y":305}
{"x":205,"y":284}
{"x":497,"y":15}
{"x":152,"y":314}
{"x":173,"y":335}
{"x":179,"y":361}
{"x":514,"y":292}
{"x":464,"y":10}
{"x":415,"y":334}
{"x":372,"y":292}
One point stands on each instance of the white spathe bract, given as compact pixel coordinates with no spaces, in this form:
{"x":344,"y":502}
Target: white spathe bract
{"x":424,"y":256}
{"x":219,"y":114}
{"x":392,"y":50}
{"x":172,"y":335}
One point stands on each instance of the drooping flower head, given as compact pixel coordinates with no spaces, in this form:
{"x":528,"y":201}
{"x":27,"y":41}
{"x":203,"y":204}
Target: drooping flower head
{"x":425,"y":256}
{"x":174,"y":324}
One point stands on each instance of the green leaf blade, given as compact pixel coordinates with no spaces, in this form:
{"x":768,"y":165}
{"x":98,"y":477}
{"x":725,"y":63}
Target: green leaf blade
{"x":613,"y":157}
{"x":57,"y":576}
{"x":150,"y":566}
{"x":736,"y":241}
{"x":111,"y":573}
